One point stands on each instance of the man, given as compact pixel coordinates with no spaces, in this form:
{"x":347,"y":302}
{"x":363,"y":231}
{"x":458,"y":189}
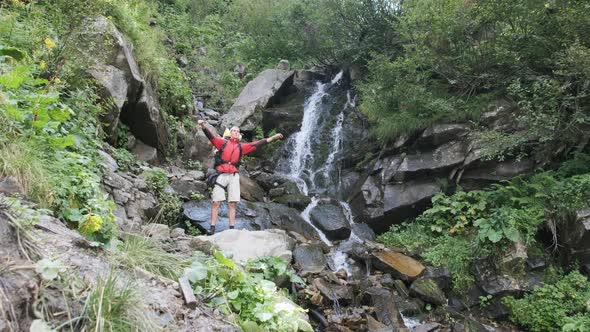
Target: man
{"x":227,"y":166}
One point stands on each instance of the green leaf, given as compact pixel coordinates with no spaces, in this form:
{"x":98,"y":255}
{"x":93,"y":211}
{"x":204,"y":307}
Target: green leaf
{"x":223,"y":260}
{"x":250,"y":326}
{"x":304,"y":326}
{"x":48,"y":269}
{"x":512,"y":234}
{"x":196,"y":272}
{"x":233,"y":295}
{"x":494,"y":235}
{"x":12,"y":52}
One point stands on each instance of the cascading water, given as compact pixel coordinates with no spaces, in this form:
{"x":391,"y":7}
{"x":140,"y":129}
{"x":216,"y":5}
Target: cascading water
{"x":316,"y":169}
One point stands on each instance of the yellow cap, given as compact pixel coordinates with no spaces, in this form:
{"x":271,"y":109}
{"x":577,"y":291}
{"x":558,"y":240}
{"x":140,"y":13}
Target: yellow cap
{"x":226,"y":133}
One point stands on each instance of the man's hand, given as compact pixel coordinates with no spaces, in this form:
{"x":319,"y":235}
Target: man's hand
{"x":274,"y":138}
{"x":201,"y":123}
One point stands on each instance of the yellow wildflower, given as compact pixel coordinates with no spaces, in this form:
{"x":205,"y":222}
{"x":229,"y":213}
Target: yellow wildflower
{"x":42,"y":64}
{"x":49,"y":43}
{"x":91,"y":224}
{"x":57,"y":80}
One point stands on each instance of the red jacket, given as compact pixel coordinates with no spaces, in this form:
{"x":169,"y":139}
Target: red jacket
{"x":231,"y":153}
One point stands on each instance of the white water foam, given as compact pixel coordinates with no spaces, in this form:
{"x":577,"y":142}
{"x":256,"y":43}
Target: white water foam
{"x":306,"y":217}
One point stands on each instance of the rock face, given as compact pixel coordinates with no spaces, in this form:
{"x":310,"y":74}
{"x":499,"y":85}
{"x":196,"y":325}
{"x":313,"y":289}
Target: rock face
{"x":575,"y":238}
{"x":258,"y":93}
{"x":399,"y":185}
{"x":249,"y":216}
{"x":111,"y":63}
{"x":238,"y":244}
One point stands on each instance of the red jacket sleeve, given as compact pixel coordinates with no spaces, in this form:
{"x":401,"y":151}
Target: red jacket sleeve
{"x":251,"y":147}
{"x":215,"y":140}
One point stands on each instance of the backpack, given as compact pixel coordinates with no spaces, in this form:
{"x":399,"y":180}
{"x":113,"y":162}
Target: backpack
{"x":213,"y":174}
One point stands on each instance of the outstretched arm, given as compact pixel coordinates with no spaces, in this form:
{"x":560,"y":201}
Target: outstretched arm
{"x":215,"y":140}
{"x":251,"y":147}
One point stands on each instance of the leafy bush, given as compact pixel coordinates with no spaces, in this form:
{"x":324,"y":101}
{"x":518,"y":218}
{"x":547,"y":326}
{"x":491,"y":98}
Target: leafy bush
{"x":554,"y":307}
{"x":257,"y":301}
{"x":169,"y":204}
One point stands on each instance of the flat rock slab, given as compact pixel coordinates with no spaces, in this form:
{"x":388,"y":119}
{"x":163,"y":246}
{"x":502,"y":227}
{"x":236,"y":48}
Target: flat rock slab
{"x":398,"y":264}
{"x":243,"y":245}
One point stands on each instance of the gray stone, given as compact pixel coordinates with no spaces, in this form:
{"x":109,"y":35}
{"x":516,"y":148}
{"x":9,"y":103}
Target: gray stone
{"x":363,"y":231}
{"x":290,"y":219}
{"x":437,"y":161}
{"x":297,"y":201}
{"x":238,"y":244}
{"x":385,"y":307}
{"x":250,"y":190}
{"x":186,"y":186}
{"x":240,"y":70}
{"x":144,"y":152}
{"x":439,"y":134}
{"x":284,"y":65}
{"x":211,"y":113}
{"x":110,"y":61}
{"x":256,"y":96}
{"x":182,"y":61}
{"x":107,"y":161}
{"x":309,"y":258}
{"x":177,"y":232}
{"x":9,"y":185}
{"x":331,"y":220}
{"x":333,"y":292}
{"x":428,"y":327}
{"x":427,"y":290}
{"x":441,"y":275}
{"x":197,"y":147}
{"x":157,"y":231}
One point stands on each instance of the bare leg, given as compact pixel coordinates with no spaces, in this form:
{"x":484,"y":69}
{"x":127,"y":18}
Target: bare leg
{"x":232,"y":213}
{"x":214,"y":212}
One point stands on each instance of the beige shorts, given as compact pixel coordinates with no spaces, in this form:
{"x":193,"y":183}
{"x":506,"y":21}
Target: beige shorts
{"x":231,"y":182}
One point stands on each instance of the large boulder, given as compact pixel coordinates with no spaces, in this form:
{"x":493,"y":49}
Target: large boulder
{"x":110,"y":61}
{"x":197,"y":147}
{"x":243,"y":245}
{"x":250,"y":190}
{"x":290,"y":219}
{"x":256,"y":96}
{"x":331,"y":220}
{"x":249,"y":216}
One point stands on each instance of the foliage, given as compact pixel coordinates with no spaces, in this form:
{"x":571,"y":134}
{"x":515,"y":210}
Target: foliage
{"x":553,"y":307}
{"x":169,"y":204}
{"x":271,"y":268}
{"x":257,"y":301}
{"x":111,"y":307}
{"x":125,"y":160}
{"x":191,"y":229}
{"x":50,"y":147}
{"x":454,"y":213}
{"x":142,"y":252}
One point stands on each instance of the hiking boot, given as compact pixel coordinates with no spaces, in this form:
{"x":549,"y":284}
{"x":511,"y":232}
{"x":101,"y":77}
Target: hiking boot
{"x":211,"y":231}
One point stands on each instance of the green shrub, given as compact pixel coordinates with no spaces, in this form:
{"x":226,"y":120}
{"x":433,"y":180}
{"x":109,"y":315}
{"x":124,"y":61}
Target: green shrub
{"x":169,"y":204}
{"x":554,"y":307}
{"x":257,"y":301}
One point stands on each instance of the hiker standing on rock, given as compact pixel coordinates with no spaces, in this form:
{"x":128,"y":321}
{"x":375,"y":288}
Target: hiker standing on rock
{"x":226,"y":164}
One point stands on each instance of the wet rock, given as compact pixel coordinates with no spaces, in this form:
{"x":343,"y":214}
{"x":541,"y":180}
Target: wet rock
{"x":408,"y":307}
{"x":401,"y":288}
{"x":427,"y":290}
{"x":157,"y":231}
{"x":331,"y":220}
{"x":399,"y":265}
{"x":385,"y":307}
{"x":297,"y":201}
{"x":290,"y":219}
{"x":9,"y":185}
{"x":333,"y":292}
{"x":255,"y":96}
{"x":249,"y":216}
{"x":186,"y":186}
{"x":470,"y":299}
{"x":309,"y":258}
{"x":363,"y":231}
{"x":238,"y":244}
